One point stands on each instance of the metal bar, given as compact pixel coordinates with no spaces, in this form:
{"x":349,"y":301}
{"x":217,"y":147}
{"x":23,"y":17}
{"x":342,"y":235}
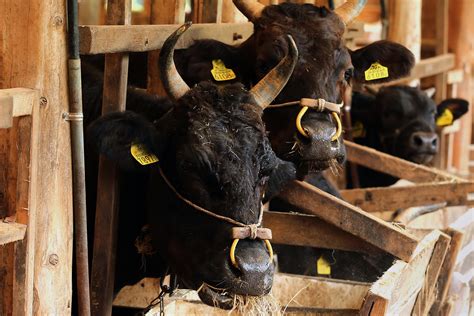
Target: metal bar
{"x":78,"y":165}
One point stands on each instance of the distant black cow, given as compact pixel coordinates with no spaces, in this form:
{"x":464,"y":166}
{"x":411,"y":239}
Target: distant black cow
{"x":400,"y":121}
{"x":214,"y":156}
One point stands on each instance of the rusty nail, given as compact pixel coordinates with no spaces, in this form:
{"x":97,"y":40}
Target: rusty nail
{"x":53,"y":259}
{"x":43,"y":101}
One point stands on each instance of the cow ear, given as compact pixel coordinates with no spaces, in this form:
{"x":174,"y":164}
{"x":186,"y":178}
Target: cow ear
{"x":381,"y":61}
{"x":450,"y":110}
{"x":126,"y":138}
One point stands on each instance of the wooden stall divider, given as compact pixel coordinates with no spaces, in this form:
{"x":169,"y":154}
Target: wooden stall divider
{"x":106,"y":220}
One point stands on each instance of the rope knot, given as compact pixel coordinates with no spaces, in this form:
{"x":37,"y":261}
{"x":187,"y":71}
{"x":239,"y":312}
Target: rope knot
{"x":320,"y":105}
{"x":253,"y":231}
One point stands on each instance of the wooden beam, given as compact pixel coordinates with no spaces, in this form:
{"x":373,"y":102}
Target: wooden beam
{"x":428,"y":67}
{"x":141,"y":38}
{"x":11,"y":232}
{"x":427,"y":294}
{"x":33,"y":49}
{"x":311,"y":200}
{"x":446,"y":272}
{"x":392,"y":198}
{"x":14,"y":103}
{"x":312,"y":232}
{"x":441,"y":31}
{"x":106,"y":220}
{"x":207,"y":11}
{"x":162,"y":12}
{"x":396,"y":291}
{"x":397,"y":167}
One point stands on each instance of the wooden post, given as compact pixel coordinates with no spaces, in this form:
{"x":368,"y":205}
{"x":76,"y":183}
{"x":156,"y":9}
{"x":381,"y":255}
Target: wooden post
{"x":461,"y":43}
{"x":404,"y":24}
{"x":106,"y":220}
{"x":162,"y":12}
{"x":207,"y":11}
{"x":33,"y":50}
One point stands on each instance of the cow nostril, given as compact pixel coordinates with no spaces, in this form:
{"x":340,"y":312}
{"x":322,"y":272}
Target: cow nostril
{"x":417,"y":140}
{"x":434,"y":142}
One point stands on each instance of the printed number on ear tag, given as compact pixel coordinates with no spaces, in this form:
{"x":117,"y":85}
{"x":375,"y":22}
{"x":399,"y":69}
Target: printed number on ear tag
{"x":445,"y":119}
{"x":142,"y":155}
{"x":220,"y":72}
{"x":376,"y":71}
{"x":323,"y":267}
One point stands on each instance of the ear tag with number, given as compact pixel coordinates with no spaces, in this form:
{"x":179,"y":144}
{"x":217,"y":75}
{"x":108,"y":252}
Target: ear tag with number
{"x":446,"y":118}
{"x":376,"y":71}
{"x":322,"y":266}
{"x":142,"y":155}
{"x":358,"y":130}
{"x":220,"y":72}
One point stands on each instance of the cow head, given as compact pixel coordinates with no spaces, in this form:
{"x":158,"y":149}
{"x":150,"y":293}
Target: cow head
{"x":325,"y":69}
{"x":213,"y":152}
{"x":405,"y":119}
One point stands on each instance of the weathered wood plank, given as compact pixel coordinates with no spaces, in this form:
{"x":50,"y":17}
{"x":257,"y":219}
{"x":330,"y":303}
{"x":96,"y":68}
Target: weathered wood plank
{"x":447,"y":269}
{"x":162,"y":12}
{"x":11,"y":232}
{"x":397,"y":167}
{"x":311,"y":200}
{"x":33,"y":50}
{"x":15,"y":102}
{"x":313,"y":232}
{"x":289,"y":290}
{"x":395,"y":292}
{"x":427,"y":294}
{"x":428,"y":67}
{"x":392,"y":198}
{"x":141,"y":38}
{"x":106,"y":220}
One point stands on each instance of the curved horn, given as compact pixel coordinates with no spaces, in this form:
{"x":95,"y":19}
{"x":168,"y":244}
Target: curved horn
{"x":250,"y":8}
{"x":350,"y":10}
{"x":267,"y":89}
{"x":173,"y":83}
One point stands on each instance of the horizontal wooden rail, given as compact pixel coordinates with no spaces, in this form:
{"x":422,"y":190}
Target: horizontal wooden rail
{"x":312,"y":231}
{"x":101,"y":39}
{"x":397,"y":167}
{"x":392,"y":198}
{"x":11,"y":232}
{"x":429,"y":67}
{"x":14,"y":103}
{"x":311,"y":200}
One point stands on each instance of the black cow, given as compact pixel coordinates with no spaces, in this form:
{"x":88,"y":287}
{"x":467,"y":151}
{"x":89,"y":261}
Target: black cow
{"x":214,"y":154}
{"x":401,"y":121}
{"x":325,"y":68}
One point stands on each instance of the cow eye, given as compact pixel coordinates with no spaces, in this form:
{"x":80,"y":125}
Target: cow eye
{"x":348,"y":74}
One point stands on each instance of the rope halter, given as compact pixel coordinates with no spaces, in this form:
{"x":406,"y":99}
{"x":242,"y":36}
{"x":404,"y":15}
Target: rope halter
{"x":319,"y":105}
{"x":240,"y":231}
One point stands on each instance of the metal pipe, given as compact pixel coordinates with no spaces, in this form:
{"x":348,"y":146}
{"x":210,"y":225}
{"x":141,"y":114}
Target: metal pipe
{"x":75,"y":117}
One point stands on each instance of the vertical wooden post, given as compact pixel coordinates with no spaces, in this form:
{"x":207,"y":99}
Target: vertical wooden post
{"x":34,"y":48}
{"x":105,"y":236}
{"x":461,"y":43}
{"x":404,"y":24}
{"x":162,"y":12}
{"x":441,"y":46}
{"x":207,"y":11}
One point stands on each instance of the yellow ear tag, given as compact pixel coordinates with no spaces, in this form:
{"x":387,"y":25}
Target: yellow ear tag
{"x":445,"y":119}
{"x":376,"y":71}
{"x":358,"y":130}
{"x":142,"y":155}
{"x":220,"y":72}
{"x":323,"y":267}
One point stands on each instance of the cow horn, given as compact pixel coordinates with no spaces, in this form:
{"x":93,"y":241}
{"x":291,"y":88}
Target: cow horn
{"x":267,"y":89}
{"x":252,"y":9}
{"x":350,"y":10}
{"x":172,"y":82}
